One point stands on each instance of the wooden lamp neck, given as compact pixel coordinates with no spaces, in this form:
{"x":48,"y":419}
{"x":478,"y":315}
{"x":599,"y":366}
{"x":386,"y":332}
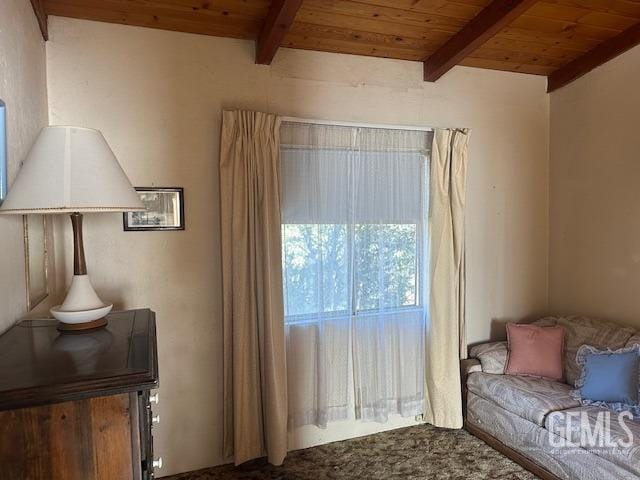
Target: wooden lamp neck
{"x":79,"y":263}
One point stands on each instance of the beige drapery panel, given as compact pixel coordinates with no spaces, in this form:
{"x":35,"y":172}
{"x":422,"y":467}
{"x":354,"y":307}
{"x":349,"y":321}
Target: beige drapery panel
{"x":445,"y":332}
{"x":255,"y":385}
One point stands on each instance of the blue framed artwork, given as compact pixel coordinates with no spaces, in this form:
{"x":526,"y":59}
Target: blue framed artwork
{"x":3,"y":151}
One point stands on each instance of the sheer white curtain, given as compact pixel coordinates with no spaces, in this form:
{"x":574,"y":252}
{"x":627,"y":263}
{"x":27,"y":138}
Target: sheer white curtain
{"x":355,"y":208}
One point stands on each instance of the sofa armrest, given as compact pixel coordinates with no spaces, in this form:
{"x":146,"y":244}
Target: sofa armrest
{"x":492,"y":356}
{"x":467,"y":366}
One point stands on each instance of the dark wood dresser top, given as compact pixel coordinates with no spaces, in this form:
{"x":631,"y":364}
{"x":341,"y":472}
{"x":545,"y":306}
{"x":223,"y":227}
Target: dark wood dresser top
{"x":40,"y":365}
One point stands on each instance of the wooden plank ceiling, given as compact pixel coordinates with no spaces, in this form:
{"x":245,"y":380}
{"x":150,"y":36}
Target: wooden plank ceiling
{"x":538,"y":37}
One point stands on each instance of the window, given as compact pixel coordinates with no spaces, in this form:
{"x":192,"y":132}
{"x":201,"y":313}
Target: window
{"x":316,"y":262}
{"x":317,"y":266}
{"x":386,"y":266}
{"x":354,"y":240}
{"x":3,"y":151}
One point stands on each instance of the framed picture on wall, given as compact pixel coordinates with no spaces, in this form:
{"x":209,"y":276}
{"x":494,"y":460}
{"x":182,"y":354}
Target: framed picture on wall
{"x":164,"y":210}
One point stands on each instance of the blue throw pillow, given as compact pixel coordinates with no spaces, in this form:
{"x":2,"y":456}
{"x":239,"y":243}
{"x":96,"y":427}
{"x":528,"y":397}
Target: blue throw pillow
{"x":609,"y":378}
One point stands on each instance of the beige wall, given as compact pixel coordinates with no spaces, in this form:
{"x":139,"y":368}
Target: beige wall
{"x":595,"y":193}
{"x":158,"y":96}
{"x":23,"y":89}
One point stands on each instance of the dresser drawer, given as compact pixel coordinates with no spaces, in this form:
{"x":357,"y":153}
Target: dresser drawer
{"x":87,"y":439}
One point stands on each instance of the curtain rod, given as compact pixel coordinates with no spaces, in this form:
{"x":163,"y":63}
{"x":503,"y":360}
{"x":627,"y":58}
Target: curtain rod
{"x":356,"y":124}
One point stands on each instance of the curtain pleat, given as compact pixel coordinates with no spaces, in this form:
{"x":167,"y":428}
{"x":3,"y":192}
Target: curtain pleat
{"x":445,"y":332}
{"x":255,"y":388}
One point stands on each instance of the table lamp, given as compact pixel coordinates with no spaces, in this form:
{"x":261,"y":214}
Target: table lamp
{"x":72,"y":170}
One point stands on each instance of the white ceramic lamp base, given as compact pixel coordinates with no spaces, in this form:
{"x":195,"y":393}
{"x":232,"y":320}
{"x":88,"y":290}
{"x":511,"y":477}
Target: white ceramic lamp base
{"x":82,"y":308}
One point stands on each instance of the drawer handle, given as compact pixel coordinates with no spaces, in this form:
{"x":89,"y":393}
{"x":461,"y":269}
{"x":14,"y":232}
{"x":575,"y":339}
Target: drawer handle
{"x":156,"y":419}
{"x":154,"y":398}
{"x":157,"y":463}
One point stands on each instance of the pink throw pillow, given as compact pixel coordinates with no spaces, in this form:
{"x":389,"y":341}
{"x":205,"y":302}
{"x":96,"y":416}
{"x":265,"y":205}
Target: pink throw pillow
{"x":535,"y":351}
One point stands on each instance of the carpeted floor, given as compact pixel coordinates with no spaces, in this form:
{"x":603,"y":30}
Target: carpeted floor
{"x":421,"y":452}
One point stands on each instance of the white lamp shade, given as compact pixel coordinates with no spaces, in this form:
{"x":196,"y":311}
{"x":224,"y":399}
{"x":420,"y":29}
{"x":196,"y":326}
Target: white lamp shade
{"x":70,"y":169}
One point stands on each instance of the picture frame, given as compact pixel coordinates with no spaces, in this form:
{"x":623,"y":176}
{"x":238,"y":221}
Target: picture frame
{"x":36,"y":259}
{"x":165,"y":210}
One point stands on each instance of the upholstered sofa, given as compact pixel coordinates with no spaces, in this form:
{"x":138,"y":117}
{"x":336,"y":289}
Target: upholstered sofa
{"x":537,"y":422}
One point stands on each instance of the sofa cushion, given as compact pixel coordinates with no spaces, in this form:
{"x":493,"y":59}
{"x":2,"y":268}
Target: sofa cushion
{"x":535,"y":351}
{"x":586,"y":331}
{"x":492,"y":356}
{"x":538,"y":444}
{"x":528,"y":397}
{"x":586,"y":427}
{"x":475,"y":368}
{"x":634,"y":340}
{"x":609,"y":378}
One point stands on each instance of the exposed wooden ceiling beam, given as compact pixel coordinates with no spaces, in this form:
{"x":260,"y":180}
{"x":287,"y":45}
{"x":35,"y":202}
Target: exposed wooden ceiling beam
{"x":596,"y":57}
{"x":281,"y":15}
{"x":493,"y":18}
{"x":38,"y":9}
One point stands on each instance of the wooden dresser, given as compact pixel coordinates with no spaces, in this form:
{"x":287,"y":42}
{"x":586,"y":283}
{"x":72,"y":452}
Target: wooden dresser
{"x":78,"y":406}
